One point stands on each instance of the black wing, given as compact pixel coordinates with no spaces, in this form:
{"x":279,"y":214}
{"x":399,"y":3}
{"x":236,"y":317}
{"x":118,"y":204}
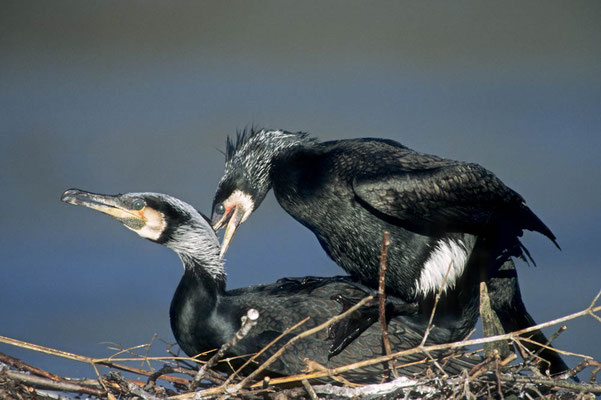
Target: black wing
{"x":446,"y":195}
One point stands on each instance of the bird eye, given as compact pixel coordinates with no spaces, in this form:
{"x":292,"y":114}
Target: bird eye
{"x":138,"y":204}
{"x":220,"y":208}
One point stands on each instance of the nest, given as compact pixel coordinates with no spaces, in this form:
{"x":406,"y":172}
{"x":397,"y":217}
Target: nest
{"x":214,"y":376}
{"x":174,"y":377}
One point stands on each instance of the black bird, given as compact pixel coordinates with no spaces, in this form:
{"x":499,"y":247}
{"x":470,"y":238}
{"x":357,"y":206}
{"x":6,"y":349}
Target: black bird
{"x":204,"y":315}
{"x":439,"y":213}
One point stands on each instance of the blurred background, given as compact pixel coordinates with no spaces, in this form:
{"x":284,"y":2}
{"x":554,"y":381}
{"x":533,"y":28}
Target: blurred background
{"x":139,"y":96}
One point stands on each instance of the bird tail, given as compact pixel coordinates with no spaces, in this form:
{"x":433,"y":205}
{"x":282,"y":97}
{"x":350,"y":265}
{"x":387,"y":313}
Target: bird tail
{"x":506,"y":301}
{"x":534,"y":223}
{"x":551,"y":357}
{"x":525,"y":254}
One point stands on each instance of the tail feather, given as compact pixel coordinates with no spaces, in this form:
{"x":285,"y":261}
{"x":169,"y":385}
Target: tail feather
{"x":506,"y":301}
{"x":533,"y":223}
{"x":551,"y":358}
{"x":525,"y":254}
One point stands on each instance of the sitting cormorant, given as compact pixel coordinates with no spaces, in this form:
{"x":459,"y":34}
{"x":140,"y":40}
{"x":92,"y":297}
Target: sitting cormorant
{"x":439,"y":213}
{"x":204,"y":315}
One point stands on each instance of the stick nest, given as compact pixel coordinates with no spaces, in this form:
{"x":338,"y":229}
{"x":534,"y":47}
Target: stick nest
{"x":174,"y":377}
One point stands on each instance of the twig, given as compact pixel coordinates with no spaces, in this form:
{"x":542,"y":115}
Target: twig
{"x":138,"y":391}
{"x":315,"y":366}
{"x":535,"y":357}
{"x":95,"y":361}
{"x":166,"y":369}
{"x":561,"y":330}
{"x":595,"y":372}
{"x":438,"y":294}
{"x":434,"y":361}
{"x":211,"y":375}
{"x":309,"y":389}
{"x":148,"y":346}
{"x":132,"y":387}
{"x":519,"y":339}
{"x":482,"y":367}
{"x":382,"y":302}
{"x":122,"y":350}
{"x":499,"y":384}
{"x":430,"y":321}
{"x":551,"y":383}
{"x":248,"y":321}
{"x":580,"y":367}
{"x":20,"y":365}
{"x":45,"y":383}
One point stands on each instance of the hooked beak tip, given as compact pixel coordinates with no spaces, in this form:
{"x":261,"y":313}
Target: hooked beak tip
{"x":70,"y":195}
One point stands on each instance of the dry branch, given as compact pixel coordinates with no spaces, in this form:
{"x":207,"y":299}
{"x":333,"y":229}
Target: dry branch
{"x":20,"y":365}
{"x":97,"y":361}
{"x":550,"y":382}
{"x":45,"y":383}
{"x":382,"y":302}
{"x":441,"y":289}
{"x":310,"y":390}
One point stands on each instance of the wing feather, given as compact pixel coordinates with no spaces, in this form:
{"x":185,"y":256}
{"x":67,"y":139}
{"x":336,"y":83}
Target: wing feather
{"x":461,"y":196}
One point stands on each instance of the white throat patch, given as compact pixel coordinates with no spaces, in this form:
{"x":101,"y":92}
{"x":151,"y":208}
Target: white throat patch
{"x":242,"y":200}
{"x":447,"y":252}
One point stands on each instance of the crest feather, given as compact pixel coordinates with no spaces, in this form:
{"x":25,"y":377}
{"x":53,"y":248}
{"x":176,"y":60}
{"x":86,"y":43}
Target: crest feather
{"x":245,"y":135}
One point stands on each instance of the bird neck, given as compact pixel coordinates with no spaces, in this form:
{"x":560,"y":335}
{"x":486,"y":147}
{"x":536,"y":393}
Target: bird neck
{"x":194,"y":304}
{"x":197,"y":246}
{"x":193,"y":309}
{"x":208,"y":271}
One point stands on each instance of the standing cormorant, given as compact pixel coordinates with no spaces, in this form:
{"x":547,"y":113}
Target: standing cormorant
{"x":204,"y":315}
{"x":439,"y":213}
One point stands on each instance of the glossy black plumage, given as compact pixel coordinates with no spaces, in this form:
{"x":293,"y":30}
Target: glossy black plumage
{"x":348,"y":192}
{"x":204,"y":315}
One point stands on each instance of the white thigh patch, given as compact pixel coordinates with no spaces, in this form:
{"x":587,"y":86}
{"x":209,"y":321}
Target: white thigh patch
{"x":447,"y":252}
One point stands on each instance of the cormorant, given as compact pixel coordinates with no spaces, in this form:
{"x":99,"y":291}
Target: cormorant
{"x":204,"y":315}
{"x":439,"y":213}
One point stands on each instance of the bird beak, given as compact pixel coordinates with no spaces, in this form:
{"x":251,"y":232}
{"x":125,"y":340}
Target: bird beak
{"x":106,"y":204}
{"x":238,"y":206}
{"x":235,"y":219}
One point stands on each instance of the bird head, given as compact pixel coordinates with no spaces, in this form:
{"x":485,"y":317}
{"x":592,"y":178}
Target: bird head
{"x":246,"y":181}
{"x":162,"y":219}
{"x":231,"y":207}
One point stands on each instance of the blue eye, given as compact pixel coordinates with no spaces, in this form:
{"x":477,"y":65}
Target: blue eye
{"x":220,"y":209}
{"x":138,"y":205}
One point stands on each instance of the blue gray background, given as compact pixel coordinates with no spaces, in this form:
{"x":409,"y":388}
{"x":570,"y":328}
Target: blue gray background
{"x":139,"y":96}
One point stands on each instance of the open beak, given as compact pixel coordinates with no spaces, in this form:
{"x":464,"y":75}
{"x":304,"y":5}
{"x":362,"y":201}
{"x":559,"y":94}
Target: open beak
{"x":106,"y":204}
{"x":235,"y":219}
